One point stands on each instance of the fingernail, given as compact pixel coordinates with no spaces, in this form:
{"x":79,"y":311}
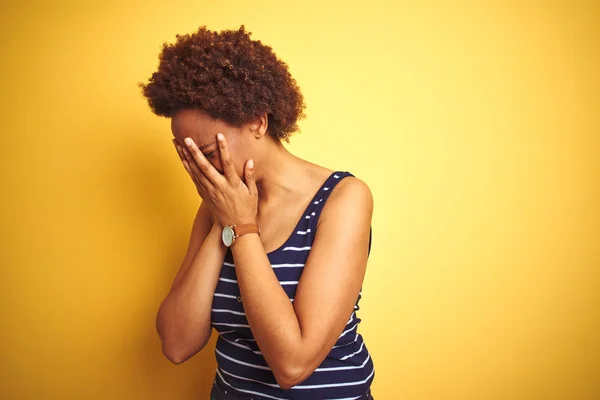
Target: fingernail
{"x":220,"y":136}
{"x":188,"y":141}
{"x":251,"y":164}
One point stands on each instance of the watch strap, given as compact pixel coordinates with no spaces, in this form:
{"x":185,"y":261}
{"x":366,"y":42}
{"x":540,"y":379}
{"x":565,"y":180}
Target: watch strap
{"x":243,"y":229}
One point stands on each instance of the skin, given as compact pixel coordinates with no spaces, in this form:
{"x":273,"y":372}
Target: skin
{"x":249,"y":177}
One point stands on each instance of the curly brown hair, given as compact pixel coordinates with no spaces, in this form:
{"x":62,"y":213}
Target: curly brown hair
{"x":229,"y":76}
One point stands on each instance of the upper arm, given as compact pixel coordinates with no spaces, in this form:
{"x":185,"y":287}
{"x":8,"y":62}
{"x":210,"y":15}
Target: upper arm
{"x":334,"y":271}
{"x":200,"y":229}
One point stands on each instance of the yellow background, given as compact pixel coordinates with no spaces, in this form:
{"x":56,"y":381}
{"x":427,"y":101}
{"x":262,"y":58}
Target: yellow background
{"x":476,"y":125}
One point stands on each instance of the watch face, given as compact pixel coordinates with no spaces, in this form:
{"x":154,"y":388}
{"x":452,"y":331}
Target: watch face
{"x":227,"y":236}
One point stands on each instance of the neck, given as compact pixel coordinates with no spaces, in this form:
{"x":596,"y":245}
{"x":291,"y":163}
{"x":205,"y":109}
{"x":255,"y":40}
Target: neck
{"x":277,"y":175}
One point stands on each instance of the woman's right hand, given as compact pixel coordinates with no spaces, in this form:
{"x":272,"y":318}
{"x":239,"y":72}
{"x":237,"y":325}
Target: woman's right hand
{"x":216,"y":225}
{"x":186,"y":165}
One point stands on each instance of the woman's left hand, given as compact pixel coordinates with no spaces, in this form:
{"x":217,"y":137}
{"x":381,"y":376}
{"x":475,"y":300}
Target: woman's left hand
{"x":231,"y":200}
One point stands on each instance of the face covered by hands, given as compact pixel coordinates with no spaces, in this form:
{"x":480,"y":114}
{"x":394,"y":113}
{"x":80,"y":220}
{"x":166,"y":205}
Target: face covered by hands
{"x":231,"y":199}
{"x":221,"y":169}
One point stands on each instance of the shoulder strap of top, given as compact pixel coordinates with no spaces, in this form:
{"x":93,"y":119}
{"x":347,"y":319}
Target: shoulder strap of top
{"x":314,"y":210}
{"x":323,"y":194}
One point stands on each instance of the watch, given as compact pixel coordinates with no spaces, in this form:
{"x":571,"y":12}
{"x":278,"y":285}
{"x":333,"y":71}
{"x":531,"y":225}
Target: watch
{"x":230,"y":233}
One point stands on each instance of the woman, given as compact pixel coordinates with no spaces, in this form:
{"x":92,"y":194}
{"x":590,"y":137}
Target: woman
{"x":279,"y":246}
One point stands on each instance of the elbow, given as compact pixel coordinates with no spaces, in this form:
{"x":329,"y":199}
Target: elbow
{"x":289,"y":376}
{"x":172,"y":347}
{"x":175,"y":355}
{"x":286,"y":383}
{"x":178,"y":352}
{"x":177,"y":346}
{"x":175,"y":359}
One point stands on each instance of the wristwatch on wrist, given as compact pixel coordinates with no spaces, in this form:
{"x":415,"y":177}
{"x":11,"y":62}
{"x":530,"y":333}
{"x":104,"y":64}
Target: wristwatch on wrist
{"x":230,"y":233}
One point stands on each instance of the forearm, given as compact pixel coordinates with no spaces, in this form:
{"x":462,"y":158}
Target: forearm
{"x":183,"y":320}
{"x":270,"y":313}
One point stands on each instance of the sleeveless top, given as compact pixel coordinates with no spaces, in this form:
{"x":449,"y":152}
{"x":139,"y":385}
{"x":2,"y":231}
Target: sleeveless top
{"x":347,"y":371}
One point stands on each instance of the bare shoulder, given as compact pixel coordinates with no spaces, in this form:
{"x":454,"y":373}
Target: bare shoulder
{"x":353,"y":188}
{"x":349,"y":188}
{"x":350,"y":199}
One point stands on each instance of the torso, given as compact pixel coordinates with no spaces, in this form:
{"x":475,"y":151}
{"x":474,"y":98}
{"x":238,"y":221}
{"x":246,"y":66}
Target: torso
{"x":346,"y":372}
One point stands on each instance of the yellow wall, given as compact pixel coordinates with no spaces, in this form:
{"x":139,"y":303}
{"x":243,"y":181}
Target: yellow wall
{"x":475,"y":124}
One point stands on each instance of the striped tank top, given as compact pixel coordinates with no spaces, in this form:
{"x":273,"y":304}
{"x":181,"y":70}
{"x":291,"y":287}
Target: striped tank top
{"x":347,"y":371}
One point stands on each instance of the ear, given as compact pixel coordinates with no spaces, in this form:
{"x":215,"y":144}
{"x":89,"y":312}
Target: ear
{"x":259,"y":126}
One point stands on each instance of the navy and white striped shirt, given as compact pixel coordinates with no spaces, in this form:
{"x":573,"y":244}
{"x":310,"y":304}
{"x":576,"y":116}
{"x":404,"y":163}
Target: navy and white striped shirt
{"x":346,"y":372}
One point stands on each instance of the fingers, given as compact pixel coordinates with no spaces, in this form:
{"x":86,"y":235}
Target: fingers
{"x":178,"y":149}
{"x":184,"y":161}
{"x":204,"y":169}
{"x":195,"y":171}
{"x":226,"y":162}
{"x":188,"y":168}
{"x":250,"y":178}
